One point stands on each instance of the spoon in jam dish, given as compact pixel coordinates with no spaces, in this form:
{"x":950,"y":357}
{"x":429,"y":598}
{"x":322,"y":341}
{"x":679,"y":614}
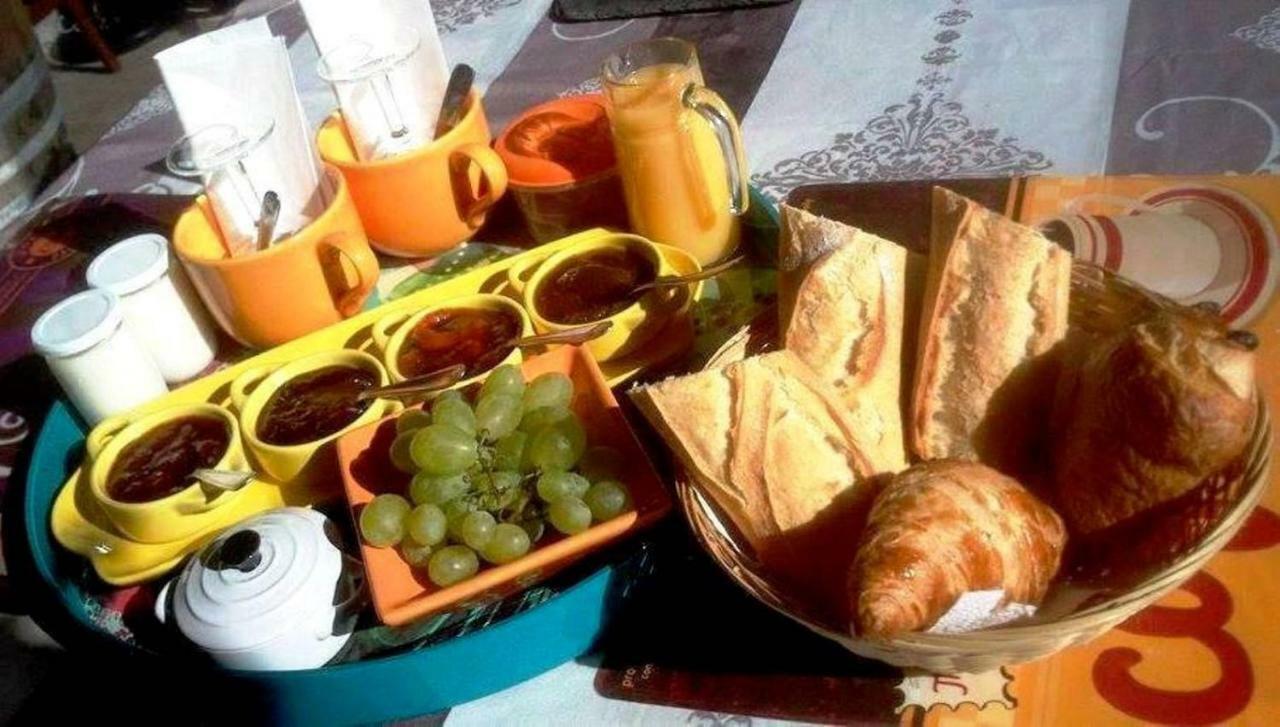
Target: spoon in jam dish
{"x":669,"y":281}
{"x":229,"y":480}
{"x":570,"y":336}
{"x":434,"y":381}
{"x":450,"y":375}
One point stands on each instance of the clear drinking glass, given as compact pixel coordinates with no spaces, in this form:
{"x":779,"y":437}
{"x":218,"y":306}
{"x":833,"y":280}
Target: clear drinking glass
{"x":679,"y":148}
{"x":373,"y":85}
{"x":219,"y":154}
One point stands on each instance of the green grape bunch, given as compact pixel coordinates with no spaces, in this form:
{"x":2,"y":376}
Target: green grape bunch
{"x":491,"y":476}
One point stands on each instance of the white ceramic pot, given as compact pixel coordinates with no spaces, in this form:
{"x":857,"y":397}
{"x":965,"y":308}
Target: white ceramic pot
{"x":273,"y":593}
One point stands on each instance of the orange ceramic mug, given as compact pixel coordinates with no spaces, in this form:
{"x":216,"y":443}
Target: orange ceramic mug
{"x":317,"y":276}
{"x":425,"y":201}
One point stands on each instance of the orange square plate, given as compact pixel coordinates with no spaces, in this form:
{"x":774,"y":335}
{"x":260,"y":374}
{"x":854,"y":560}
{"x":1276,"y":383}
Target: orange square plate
{"x":401,"y":594}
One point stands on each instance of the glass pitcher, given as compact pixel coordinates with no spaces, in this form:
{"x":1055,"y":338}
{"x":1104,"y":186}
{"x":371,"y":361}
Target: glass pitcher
{"x":679,"y":148}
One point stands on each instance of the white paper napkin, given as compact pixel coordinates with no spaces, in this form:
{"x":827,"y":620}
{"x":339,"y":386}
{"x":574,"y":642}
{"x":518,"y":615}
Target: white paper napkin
{"x":418,"y":85}
{"x":240,"y":75}
{"x":980,"y":610}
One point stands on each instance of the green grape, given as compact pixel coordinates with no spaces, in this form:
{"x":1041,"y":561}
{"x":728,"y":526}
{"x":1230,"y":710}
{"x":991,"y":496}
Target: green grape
{"x":476,"y":529}
{"x":555,"y":484}
{"x":449,"y":394}
{"x":454,"y":411}
{"x":558,"y":446}
{"x":412,"y":419}
{"x":452,"y":564}
{"x":607,"y":499}
{"x":401,"y":458}
{"x":507,"y":543}
{"x":572,"y":428}
{"x":442,"y":449}
{"x":456,"y":508}
{"x":549,"y":389}
{"x":535,"y":527}
{"x":601,"y":463}
{"x":426,"y":524}
{"x":415,"y":554}
{"x":506,"y":379}
{"x":382,"y":520}
{"x":508,"y":452}
{"x":569,"y":515}
{"x":497,"y":415}
{"x":543,"y":416}
{"x":430,"y":489}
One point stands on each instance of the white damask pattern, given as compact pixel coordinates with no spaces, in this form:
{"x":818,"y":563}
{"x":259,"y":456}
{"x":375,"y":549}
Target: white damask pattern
{"x":152,"y":105}
{"x":1265,"y":33}
{"x":927,"y":137}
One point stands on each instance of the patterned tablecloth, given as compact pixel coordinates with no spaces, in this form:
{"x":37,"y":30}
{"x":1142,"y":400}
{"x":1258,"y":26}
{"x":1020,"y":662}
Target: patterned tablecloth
{"x":837,"y":91}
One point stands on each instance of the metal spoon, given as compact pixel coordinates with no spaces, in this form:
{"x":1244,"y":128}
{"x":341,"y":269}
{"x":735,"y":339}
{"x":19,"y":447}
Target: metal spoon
{"x":572,"y":336}
{"x":434,"y":381}
{"x":267,"y":219}
{"x":667,"y":281}
{"x":446,"y":377}
{"x":455,"y":94}
{"x":229,"y":480}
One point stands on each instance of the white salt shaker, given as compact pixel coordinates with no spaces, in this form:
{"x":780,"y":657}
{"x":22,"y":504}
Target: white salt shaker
{"x":99,"y":363}
{"x":159,"y":306}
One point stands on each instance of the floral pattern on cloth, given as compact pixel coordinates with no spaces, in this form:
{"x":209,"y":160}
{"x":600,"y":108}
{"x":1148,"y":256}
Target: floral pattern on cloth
{"x":929,"y":136}
{"x":453,"y":14}
{"x":1265,"y":33}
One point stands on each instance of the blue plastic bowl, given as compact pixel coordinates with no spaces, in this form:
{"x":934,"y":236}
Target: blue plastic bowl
{"x":414,"y":683}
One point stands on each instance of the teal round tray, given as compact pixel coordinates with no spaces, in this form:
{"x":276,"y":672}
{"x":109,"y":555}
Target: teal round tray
{"x":418,"y":682}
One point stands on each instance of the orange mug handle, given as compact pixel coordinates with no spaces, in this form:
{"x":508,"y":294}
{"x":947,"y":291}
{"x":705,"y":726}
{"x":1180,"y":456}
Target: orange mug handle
{"x":363,"y":261}
{"x":493,"y":174}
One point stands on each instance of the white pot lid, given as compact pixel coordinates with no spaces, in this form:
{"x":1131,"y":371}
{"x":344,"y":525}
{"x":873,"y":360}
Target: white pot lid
{"x":76,"y":324}
{"x":130,"y":265}
{"x":258,"y":580}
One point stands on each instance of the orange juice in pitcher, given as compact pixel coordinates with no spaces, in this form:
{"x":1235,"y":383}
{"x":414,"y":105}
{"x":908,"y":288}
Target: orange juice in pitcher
{"x":679,"y":149}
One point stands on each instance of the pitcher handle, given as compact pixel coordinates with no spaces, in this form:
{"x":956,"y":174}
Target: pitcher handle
{"x":1126,"y":203}
{"x":708,"y":104}
{"x":356,"y":251}
{"x":493,"y":174}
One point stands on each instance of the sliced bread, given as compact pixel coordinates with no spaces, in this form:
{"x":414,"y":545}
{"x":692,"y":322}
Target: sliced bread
{"x":995,"y":303}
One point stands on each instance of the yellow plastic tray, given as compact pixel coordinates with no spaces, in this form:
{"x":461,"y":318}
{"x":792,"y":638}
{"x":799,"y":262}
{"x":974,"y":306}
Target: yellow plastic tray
{"x":80,"y":526}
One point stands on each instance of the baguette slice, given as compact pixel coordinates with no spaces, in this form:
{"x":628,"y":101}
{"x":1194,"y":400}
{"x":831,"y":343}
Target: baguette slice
{"x":772,"y":444}
{"x":847,"y":324}
{"x":804,"y":240}
{"x":787,"y":469}
{"x":995,"y":303}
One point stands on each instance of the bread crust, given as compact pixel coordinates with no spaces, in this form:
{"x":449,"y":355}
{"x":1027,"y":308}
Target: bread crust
{"x":995,"y":303}
{"x":847,"y":324}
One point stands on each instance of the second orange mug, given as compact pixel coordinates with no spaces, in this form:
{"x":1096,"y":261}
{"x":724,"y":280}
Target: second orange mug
{"x":317,"y":276}
{"x":424,"y":201}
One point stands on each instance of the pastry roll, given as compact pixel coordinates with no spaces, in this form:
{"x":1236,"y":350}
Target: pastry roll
{"x":941,"y":529}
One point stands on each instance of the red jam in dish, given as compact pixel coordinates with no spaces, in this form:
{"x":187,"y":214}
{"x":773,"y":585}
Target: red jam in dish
{"x":477,"y":338}
{"x":160,"y":462}
{"x":314,"y":405}
{"x":593,"y":286}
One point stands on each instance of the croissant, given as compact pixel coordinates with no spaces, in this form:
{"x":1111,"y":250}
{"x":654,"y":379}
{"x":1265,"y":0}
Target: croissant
{"x":941,"y":529}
